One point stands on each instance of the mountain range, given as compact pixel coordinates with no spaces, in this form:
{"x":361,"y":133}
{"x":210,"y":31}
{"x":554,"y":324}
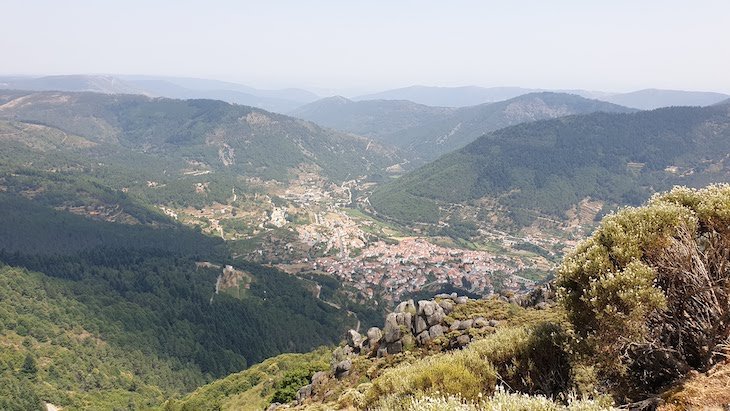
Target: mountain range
{"x":647,"y":99}
{"x":172,"y":87}
{"x":426,"y":132}
{"x":289,"y":99}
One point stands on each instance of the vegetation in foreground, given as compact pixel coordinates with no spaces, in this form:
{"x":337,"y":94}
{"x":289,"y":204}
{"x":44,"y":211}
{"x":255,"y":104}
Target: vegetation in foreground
{"x":641,"y":318}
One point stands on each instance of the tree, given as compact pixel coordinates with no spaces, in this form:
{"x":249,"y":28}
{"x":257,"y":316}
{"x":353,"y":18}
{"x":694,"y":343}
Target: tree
{"x":29,"y":365}
{"x":648,"y":293}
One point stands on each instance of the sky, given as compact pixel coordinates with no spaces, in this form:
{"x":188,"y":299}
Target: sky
{"x":616,"y":45}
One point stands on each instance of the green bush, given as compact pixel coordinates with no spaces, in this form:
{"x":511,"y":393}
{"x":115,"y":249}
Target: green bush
{"x":647,"y":294}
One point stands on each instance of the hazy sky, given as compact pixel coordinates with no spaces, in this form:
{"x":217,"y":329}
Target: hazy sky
{"x":613,"y":45}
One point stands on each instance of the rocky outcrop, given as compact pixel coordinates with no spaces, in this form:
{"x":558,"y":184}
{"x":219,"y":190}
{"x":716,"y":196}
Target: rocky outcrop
{"x":415,"y":324}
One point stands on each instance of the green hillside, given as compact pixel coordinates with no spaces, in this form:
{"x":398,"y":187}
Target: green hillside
{"x":434,"y":138}
{"x":379,"y":119}
{"x":549,"y":166}
{"x":126,"y":307}
{"x":221,"y":136}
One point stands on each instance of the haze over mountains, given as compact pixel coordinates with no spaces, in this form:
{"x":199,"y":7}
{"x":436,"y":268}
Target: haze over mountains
{"x":426,"y":132}
{"x":289,"y":99}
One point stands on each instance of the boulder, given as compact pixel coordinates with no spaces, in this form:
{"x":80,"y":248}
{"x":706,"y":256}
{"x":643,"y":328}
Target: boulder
{"x":408,"y":321}
{"x":426,"y":308}
{"x":423,"y":338}
{"x":466,"y":324}
{"x":461,"y":300}
{"x":447,"y":306}
{"x":453,"y":296}
{"x":319,"y":379}
{"x":493,"y":323}
{"x":463,"y":340}
{"x":420,"y":325}
{"x":354,"y":340}
{"x":374,"y":336}
{"x":406,"y":307}
{"x":382,"y":351}
{"x":437,"y":316}
{"x":304,"y":393}
{"x":395,"y":347}
{"x":391,"y":331}
{"x":480,"y":322}
{"x":435,"y":331}
{"x":342,"y":369}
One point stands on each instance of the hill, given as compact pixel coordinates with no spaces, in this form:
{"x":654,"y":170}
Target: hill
{"x":550,"y":166}
{"x":279,"y":101}
{"x":650,"y":99}
{"x":424,"y":132}
{"x":634,"y":320}
{"x":216,"y":136}
{"x":379,"y":119}
{"x":93,"y":83}
{"x":439,"y":136}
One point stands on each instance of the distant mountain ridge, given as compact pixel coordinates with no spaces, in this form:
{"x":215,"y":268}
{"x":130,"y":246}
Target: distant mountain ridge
{"x":380,"y":119}
{"x":647,"y":99}
{"x":651,"y":99}
{"x":279,"y":101}
{"x":426,"y":132}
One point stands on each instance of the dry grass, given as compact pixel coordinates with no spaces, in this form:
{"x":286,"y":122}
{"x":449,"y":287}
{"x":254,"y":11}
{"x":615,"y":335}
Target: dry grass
{"x":708,"y":391}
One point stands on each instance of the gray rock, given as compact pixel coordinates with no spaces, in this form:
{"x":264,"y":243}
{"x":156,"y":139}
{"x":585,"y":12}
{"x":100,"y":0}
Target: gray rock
{"x":354,"y":340}
{"x":374,"y":336}
{"x":447,"y":306}
{"x":453,"y":296}
{"x":442,"y":295}
{"x":437,"y":316}
{"x":391,"y":331}
{"x":342,"y":369}
{"x":463,"y":340}
{"x":423,"y":338}
{"x":493,"y":323}
{"x":273,"y":407}
{"x":435,"y":331}
{"x":406,"y":307}
{"x":455,"y":325}
{"x":420,"y":325}
{"x":461,"y":300}
{"x":408,"y":321}
{"x":319,"y":379}
{"x":382,"y":352}
{"x":542,"y":306}
{"x":466,"y":324}
{"x":304,"y":393}
{"x":480,"y":322}
{"x":395,"y":347}
{"x":426,"y":308}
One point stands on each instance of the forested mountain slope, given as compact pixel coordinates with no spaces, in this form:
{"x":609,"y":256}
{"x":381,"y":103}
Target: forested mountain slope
{"x":549,"y":166}
{"x":245,"y":140}
{"x":380,"y":119}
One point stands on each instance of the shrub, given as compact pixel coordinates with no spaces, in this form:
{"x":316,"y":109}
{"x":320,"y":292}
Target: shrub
{"x":648,"y":292}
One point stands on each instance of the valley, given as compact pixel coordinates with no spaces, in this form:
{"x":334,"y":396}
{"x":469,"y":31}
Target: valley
{"x":214,"y":236}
